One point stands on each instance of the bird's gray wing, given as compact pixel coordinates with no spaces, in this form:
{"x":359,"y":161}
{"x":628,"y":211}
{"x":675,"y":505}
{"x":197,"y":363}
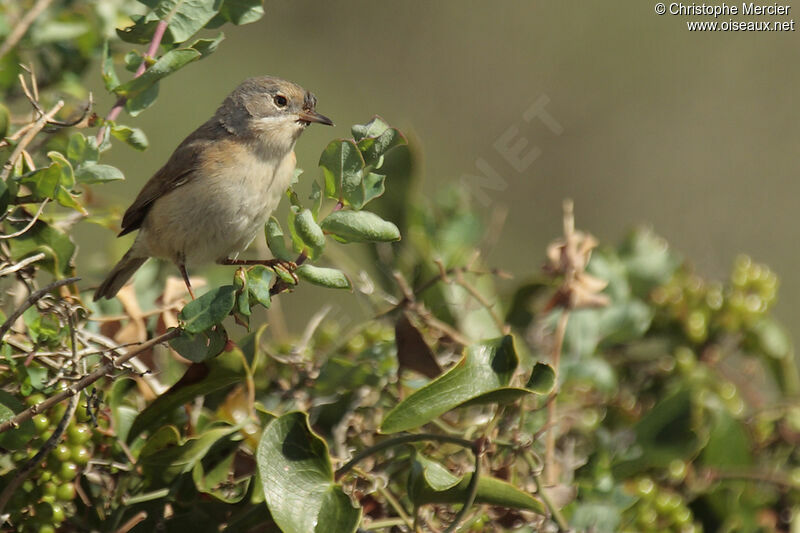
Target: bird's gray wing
{"x":180,"y":169}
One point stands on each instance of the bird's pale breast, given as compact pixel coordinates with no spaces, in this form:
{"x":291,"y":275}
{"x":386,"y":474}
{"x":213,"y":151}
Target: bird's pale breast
{"x":216,"y":215}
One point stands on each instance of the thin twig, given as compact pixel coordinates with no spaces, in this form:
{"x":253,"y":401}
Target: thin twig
{"x":22,"y":264}
{"x":32,"y":299}
{"x":85,"y":381}
{"x":40,"y":123}
{"x":29,"y":225}
{"x":22,"y":26}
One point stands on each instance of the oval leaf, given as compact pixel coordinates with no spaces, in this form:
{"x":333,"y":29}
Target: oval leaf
{"x":360,"y":226}
{"x":430,"y":482}
{"x":542,"y":379}
{"x":310,"y":233}
{"x":275,"y":241}
{"x":324,"y":277}
{"x":297,"y":478}
{"x":342,"y":165}
{"x":198,"y":347}
{"x":208,"y":310}
{"x":485,"y":368}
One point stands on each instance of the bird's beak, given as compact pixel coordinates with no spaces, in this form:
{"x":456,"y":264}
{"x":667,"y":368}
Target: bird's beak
{"x":313,"y":116}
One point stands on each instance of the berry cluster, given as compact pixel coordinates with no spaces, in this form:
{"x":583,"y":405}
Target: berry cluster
{"x":658,"y":509}
{"x":45,"y":498}
{"x":704,"y":308}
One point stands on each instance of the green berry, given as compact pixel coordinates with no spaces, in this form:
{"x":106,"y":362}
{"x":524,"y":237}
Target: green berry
{"x":81,"y":455}
{"x":677,"y":470}
{"x":41,"y":423}
{"x":35,"y":398}
{"x":79,"y":434}
{"x":68,"y":471}
{"x":65,"y":492}
{"x":49,"y":488}
{"x":645,"y":487}
{"x":62,"y":452}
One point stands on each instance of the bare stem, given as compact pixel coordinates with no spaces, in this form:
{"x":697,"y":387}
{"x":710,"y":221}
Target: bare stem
{"x":550,"y":443}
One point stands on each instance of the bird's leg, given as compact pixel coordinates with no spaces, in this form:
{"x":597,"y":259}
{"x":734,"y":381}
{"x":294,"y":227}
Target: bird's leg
{"x":288,"y":266}
{"x":185,"y":275}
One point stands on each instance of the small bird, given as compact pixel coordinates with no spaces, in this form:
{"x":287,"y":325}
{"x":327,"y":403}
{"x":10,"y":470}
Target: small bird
{"x":219,"y":187}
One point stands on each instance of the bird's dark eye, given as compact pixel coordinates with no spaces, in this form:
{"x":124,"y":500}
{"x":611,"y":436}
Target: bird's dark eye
{"x":280,"y":100}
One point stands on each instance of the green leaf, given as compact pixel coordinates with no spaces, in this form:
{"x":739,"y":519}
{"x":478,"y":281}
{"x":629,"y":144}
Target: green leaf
{"x":161,"y":466}
{"x":41,"y":237}
{"x":44,"y":182}
{"x":324,"y":277}
{"x":772,"y":338}
{"x":110,"y":78}
{"x":185,"y":18}
{"x":259,"y":281}
{"x":430,"y":482}
{"x":311,"y":237}
{"x":663,"y":434}
{"x":373,"y":186}
{"x":297,"y":479}
{"x":142,"y":101}
{"x":98,"y":173}
{"x":359,"y":226}
{"x":20,"y":437}
{"x":241,"y":11}
{"x":53,"y":30}
{"x":198,"y":347}
{"x":131,"y":136}
{"x":316,"y":198}
{"x":208,"y":310}
{"x":481,"y":376}
{"x":342,"y":164}
{"x":728,"y":444}
{"x":649,"y":261}
{"x":199,"y":379}
{"x":275,"y":241}
{"x":170,"y":62}
{"x":241,"y":308}
{"x":542,"y":379}
{"x":375,"y":139}
{"x":81,"y":149}
{"x":206,"y":47}
{"x":142,"y":30}
{"x":217,"y":480}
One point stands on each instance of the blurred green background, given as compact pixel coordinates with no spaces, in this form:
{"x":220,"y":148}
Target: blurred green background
{"x":694,"y":134}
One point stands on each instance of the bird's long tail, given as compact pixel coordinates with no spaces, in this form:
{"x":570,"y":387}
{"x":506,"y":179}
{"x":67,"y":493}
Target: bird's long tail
{"x":121,"y":273}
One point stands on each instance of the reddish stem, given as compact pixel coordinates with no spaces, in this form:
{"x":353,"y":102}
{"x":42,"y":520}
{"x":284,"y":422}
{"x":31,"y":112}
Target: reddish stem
{"x":155,"y":42}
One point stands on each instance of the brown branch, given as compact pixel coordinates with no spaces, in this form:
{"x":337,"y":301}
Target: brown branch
{"x":86,"y":381}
